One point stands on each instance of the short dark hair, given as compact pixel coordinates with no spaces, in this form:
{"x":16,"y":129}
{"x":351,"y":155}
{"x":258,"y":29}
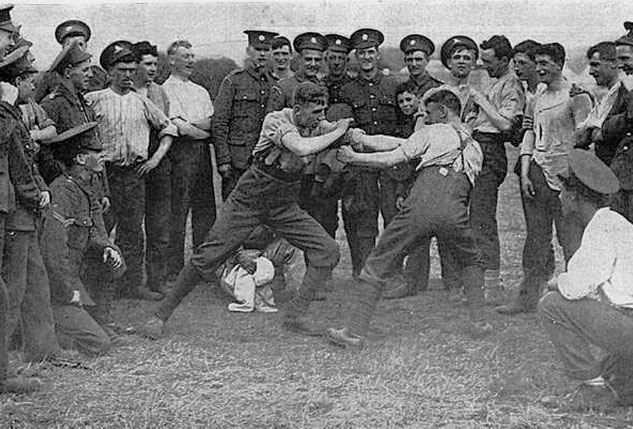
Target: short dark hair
{"x":526,"y":47}
{"x":144,"y":48}
{"x":572,"y":183}
{"x":554,"y":50}
{"x":174,"y":46}
{"x":606,"y":50}
{"x":280,"y":42}
{"x":308,"y":92}
{"x":447,"y":99}
{"x":404,"y":87}
{"x":500,"y":44}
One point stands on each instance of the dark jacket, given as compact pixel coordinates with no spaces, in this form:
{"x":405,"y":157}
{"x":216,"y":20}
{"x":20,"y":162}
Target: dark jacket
{"x":73,"y":227}
{"x":281,"y":93}
{"x":617,"y":131}
{"x":240,"y":108}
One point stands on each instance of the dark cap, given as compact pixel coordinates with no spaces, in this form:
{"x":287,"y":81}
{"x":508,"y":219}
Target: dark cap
{"x":590,"y":171}
{"x":627,"y":39}
{"x":310,"y":41}
{"x":417,"y":42}
{"x":83,"y":136}
{"x":115,"y":52}
{"x":455,"y":42}
{"x":366,"y":38}
{"x":5,"y":19}
{"x":260,"y":39}
{"x":14,"y":56}
{"x":338,"y":43}
{"x":72,"y":28}
{"x":71,"y":55}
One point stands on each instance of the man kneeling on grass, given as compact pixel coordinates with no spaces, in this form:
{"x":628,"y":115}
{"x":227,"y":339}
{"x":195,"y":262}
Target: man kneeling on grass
{"x":449,"y":162}
{"x":592,"y":303}
{"x":267,"y":194}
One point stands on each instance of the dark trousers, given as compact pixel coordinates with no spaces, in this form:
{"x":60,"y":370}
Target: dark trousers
{"x":29,"y":295}
{"x":258,"y":200}
{"x":483,"y":203}
{"x":127,"y":192}
{"x":4,"y":311}
{"x":157,"y":223}
{"x":230,"y":181}
{"x":542,"y":211}
{"x":360,"y":216}
{"x":191,"y":188}
{"x":76,"y":329}
{"x":623,"y":203}
{"x":324,"y":209}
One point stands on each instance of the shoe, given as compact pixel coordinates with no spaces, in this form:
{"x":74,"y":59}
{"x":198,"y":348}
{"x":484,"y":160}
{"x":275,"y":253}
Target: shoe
{"x":145,"y":294}
{"x":266,"y":309}
{"x":457,"y":296}
{"x":522,"y":304}
{"x":153,"y":329}
{"x":479,"y":330}
{"x":298,"y":326}
{"x":344,"y":338}
{"x":402,"y":290}
{"x":585,"y":398}
{"x":21,"y":385}
{"x":493,"y":296}
{"x":65,"y":359}
{"x":241,"y":308}
{"x":319,"y":296}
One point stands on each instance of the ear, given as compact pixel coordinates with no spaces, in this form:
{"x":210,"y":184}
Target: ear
{"x":80,"y":158}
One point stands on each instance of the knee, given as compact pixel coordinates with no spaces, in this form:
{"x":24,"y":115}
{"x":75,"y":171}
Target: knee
{"x":327,"y":256}
{"x":549,"y":304}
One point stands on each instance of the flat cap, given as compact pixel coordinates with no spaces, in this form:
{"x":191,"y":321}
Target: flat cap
{"x":5,"y":19}
{"x":366,"y":38}
{"x":72,"y":55}
{"x":627,"y":39}
{"x":310,"y":41}
{"x":72,"y":28}
{"x":83,"y":136}
{"x":417,"y":42}
{"x":449,"y":47}
{"x":260,"y":38}
{"x":116,"y":52}
{"x":338,"y":43}
{"x":588,"y":169}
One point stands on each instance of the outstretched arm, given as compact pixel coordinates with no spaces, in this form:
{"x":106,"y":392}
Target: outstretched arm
{"x":304,"y":146}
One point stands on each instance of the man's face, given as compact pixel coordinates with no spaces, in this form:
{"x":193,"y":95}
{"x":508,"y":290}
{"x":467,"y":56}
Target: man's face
{"x":259,"y":55}
{"x":147,"y":68}
{"x":6,"y":40}
{"x":336,"y":62}
{"x":182,"y":61}
{"x":416,"y":62}
{"x":435,"y":113}
{"x":624,"y":56}
{"x":602,"y":70}
{"x":310,"y":114}
{"x":81,"y":42}
{"x":281,"y":57}
{"x":546,"y":69}
{"x":368,"y":58}
{"x":80,"y":75}
{"x":92,"y":160}
{"x":493,"y":65}
{"x":122,"y":74}
{"x":524,"y":67}
{"x":462,"y":62}
{"x":408,"y":103}
{"x":26,"y":87}
{"x":310,"y":61}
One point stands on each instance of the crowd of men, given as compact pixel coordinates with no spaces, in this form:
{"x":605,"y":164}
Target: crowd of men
{"x":97,"y":181}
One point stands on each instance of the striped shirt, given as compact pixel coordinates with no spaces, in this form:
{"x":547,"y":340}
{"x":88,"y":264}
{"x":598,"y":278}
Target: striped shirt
{"x":125,"y":122}
{"x":187,"y":100}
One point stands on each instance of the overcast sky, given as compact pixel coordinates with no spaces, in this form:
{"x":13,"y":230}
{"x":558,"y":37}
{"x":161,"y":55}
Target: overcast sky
{"x":215,"y":28}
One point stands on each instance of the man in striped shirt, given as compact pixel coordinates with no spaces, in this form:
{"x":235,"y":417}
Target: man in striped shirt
{"x":125,"y":122}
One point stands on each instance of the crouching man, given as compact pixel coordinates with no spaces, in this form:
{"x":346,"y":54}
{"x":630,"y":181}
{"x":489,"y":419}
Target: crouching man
{"x":592,"y":303}
{"x":76,"y":249}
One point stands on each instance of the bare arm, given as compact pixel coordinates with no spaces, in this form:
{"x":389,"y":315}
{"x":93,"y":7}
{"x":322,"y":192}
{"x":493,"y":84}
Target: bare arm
{"x":304,"y":146}
{"x":378,"y":143}
{"x":376,"y":160}
{"x":45,"y":134}
{"x":190,"y":130}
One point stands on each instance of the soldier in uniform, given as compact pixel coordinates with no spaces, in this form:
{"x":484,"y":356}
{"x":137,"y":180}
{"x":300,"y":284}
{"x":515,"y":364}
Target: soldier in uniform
{"x":268,"y":194}
{"x":240,"y":108}
{"x":16,"y":182}
{"x":281,"y":57}
{"x":336,"y":59}
{"x":68,"y":32}
{"x":372,"y":99}
{"x":77,"y":251}
{"x":417,"y":50}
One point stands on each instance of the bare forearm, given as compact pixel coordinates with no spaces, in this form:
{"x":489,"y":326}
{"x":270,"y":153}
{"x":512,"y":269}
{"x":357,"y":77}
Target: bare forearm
{"x":500,"y":122}
{"x":304,"y":146}
{"x":163,"y":147}
{"x":380,"y":143}
{"x":379,"y":159}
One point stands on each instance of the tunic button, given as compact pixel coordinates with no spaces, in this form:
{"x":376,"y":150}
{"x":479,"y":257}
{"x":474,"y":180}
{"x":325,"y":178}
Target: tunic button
{"x":373,"y":109}
{"x":262,"y":106}
{"x":628,"y":134}
{"x":625,"y":148}
{"x":262,"y":92}
{"x":372,"y":96}
{"x":371,"y":84}
{"x":375,"y":122}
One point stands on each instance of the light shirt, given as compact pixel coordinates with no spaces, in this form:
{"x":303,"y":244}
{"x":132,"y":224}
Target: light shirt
{"x":125,"y":122}
{"x":187,"y":100}
{"x":603,"y":265}
{"x":602,"y":109}
{"x":557,"y":116}
{"x":507,"y":96}
{"x":444,"y":144}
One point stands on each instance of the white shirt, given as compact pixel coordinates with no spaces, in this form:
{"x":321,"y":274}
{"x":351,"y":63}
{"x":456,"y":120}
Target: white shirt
{"x":603,"y":265}
{"x":187,"y":100}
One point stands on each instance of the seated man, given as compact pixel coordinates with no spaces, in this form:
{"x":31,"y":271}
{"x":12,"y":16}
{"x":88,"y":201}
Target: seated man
{"x":592,"y":303}
{"x":76,"y":248}
{"x":449,"y":160}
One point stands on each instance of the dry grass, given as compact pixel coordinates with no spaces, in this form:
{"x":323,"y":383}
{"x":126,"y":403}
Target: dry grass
{"x":216,"y":369}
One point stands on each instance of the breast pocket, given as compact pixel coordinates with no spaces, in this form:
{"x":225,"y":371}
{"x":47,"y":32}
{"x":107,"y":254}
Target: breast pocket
{"x":388,"y":108}
{"x":246,"y":115}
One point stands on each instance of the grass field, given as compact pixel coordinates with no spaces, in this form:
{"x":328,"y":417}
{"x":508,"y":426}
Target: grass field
{"x":216,"y":369}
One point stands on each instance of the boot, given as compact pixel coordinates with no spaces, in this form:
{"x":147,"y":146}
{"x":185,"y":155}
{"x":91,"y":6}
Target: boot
{"x":20,"y":385}
{"x":473,"y":278}
{"x":526,"y":301}
{"x":403,"y":289}
{"x":493,"y":287}
{"x":344,"y":338}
